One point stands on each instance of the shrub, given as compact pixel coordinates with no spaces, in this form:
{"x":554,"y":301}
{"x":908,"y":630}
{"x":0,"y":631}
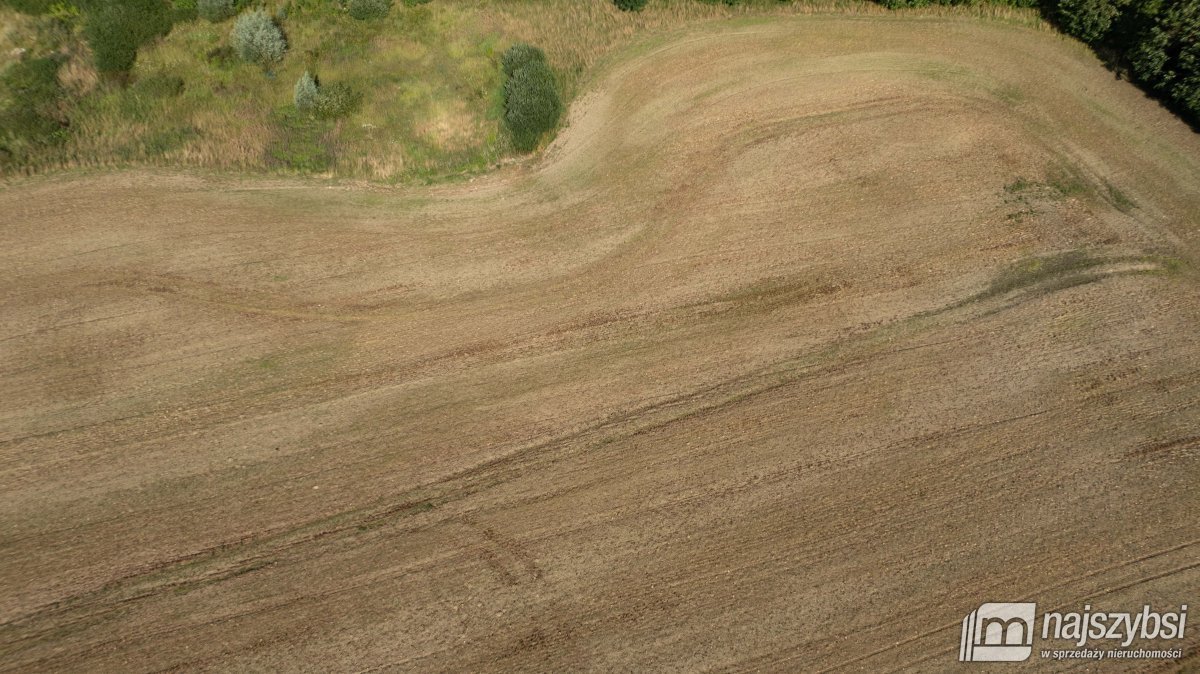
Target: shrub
{"x":630,"y":5}
{"x":336,"y":100}
{"x":115,"y":31}
{"x":531,"y":103}
{"x":216,"y":10}
{"x":1089,"y":20}
{"x":159,"y":85}
{"x":114,"y":47}
{"x":257,"y":39}
{"x":331,"y":102}
{"x":223,"y":57}
{"x":182,"y":11}
{"x":518,"y":55}
{"x":33,"y":116}
{"x":305,"y":94}
{"x":364,"y":10}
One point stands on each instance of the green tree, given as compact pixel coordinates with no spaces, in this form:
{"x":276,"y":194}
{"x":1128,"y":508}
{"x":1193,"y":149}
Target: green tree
{"x":531,"y":102}
{"x":305,"y":94}
{"x":1165,"y":55}
{"x":1089,"y":20}
{"x":116,"y":30}
{"x":518,"y":55}
{"x":257,"y":39}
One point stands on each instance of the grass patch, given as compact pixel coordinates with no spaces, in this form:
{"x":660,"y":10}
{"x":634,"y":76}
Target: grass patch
{"x":1067,"y":181}
{"x":1119,"y":199}
{"x":1019,"y":186}
{"x":1051,"y":273}
{"x":302,"y":142}
{"x":769,"y":294}
{"x":1062,"y":181}
{"x":1035,"y":270}
{"x":270,"y":363}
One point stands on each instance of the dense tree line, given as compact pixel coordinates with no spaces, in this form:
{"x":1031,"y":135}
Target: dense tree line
{"x":1156,"y":42}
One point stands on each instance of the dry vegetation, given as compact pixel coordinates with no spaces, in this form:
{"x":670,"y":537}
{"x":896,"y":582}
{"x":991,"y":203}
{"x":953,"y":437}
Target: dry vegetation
{"x":805,"y":337}
{"x":428,"y":74}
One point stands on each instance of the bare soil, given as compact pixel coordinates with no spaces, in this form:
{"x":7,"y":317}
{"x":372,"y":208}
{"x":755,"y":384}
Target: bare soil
{"x":803,"y":340}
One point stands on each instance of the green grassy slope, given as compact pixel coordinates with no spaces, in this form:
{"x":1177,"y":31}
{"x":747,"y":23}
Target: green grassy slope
{"x":428,"y":75}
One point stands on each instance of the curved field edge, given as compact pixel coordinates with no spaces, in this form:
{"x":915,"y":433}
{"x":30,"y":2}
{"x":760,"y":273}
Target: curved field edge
{"x":431,"y":108}
{"x":792,"y":320}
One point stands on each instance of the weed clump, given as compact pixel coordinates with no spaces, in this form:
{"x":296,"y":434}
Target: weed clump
{"x":630,"y":5}
{"x":33,"y":117}
{"x":216,"y":11}
{"x":326,"y":102}
{"x":366,"y":10}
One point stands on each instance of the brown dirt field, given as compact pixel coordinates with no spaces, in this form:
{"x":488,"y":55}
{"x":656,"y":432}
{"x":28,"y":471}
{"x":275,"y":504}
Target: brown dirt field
{"x":757,"y":369}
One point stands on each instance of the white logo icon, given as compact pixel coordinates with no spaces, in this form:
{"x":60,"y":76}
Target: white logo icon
{"x":997,"y":632}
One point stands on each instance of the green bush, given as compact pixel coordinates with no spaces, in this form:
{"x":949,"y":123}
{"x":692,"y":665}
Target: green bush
{"x":257,"y":39}
{"x":365,"y":10}
{"x":223,"y":57}
{"x":115,"y":32}
{"x":332,"y":102}
{"x":630,"y":5}
{"x":33,"y":116}
{"x":305,"y":94}
{"x":183,"y":11}
{"x":531,"y":103}
{"x":114,"y":46}
{"x":159,"y":85}
{"x":216,"y":10}
{"x":518,"y":55}
{"x":1089,"y":20}
{"x":336,"y":100}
